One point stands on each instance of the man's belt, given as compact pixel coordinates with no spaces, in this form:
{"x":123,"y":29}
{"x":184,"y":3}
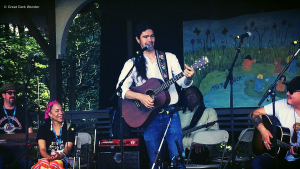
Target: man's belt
{"x":170,"y":109}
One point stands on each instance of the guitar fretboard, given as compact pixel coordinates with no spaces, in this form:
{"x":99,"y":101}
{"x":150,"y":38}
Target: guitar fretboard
{"x":167,"y":84}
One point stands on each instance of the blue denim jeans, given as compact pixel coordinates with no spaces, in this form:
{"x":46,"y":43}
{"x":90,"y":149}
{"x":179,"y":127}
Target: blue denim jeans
{"x":153,"y":134}
{"x":267,"y":162}
{"x":9,"y":152}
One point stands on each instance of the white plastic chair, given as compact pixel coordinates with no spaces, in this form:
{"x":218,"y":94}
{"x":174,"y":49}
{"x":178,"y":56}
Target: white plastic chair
{"x":83,"y":139}
{"x":210,"y":138}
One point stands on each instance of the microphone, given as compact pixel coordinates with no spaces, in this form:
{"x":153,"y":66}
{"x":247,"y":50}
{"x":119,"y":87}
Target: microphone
{"x":248,"y":34}
{"x":79,"y":127}
{"x":176,"y":109}
{"x":2,"y":68}
{"x":140,"y":52}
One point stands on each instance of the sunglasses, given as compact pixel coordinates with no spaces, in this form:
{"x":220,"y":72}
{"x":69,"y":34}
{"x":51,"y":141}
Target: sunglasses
{"x":10,"y":93}
{"x":292,"y":91}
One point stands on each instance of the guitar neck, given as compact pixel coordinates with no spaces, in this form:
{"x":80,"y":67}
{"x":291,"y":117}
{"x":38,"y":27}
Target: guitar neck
{"x":283,"y":145}
{"x":198,"y":127}
{"x":167,"y":84}
{"x":197,"y":65}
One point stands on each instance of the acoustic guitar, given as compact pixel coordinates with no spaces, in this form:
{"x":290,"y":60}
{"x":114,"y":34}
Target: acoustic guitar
{"x":283,"y":139}
{"x":136,"y":114}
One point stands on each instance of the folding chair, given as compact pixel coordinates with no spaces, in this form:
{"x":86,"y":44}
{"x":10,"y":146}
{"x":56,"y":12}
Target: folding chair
{"x":210,"y":138}
{"x":245,"y":136}
{"x":83,"y":139}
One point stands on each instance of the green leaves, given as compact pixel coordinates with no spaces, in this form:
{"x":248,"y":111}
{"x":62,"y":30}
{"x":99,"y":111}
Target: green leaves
{"x":16,"y":53}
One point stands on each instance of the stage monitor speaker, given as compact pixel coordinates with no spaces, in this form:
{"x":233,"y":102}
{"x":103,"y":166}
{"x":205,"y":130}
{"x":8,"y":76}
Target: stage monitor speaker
{"x":112,"y":160}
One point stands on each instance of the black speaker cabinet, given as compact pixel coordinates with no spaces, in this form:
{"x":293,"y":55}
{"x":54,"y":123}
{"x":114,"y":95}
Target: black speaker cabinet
{"x":112,"y":160}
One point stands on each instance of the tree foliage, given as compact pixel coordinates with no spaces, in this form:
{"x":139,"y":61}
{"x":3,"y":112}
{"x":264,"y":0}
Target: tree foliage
{"x":81,"y":64}
{"x":17,"y":49}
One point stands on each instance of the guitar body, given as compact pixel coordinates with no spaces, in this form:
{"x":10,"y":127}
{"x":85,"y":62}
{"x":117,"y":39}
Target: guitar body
{"x":135,"y":113}
{"x":282,"y":133}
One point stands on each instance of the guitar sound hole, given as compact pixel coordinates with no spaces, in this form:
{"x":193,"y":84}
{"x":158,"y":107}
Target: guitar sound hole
{"x":150,"y":93}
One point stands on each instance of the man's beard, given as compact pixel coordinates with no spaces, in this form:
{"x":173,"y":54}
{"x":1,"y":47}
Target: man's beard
{"x":12,"y":101}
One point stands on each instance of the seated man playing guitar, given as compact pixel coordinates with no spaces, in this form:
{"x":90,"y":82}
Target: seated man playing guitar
{"x":195,"y":118}
{"x":287,"y":111}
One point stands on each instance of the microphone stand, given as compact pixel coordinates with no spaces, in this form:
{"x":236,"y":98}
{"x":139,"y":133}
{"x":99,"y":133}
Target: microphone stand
{"x":119,"y":90}
{"x":272,"y":93}
{"x":179,"y":158}
{"x":229,"y":78}
{"x":163,"y":138}
{"x":161,"y":143}
{"x":25,"y":106}
{"x":28,"y":146}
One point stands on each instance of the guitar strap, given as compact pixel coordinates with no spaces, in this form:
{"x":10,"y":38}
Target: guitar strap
{"x":196,"y":117}
{"x":162,"y":64}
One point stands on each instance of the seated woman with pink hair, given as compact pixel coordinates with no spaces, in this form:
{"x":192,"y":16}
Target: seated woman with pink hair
{"x":55,"y":138}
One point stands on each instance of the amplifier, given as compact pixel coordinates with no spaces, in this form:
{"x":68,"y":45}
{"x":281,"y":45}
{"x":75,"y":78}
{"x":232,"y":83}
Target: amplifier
{"x":113,"y":144}
{"x":116,"y":142}
{"x":112,"y":160}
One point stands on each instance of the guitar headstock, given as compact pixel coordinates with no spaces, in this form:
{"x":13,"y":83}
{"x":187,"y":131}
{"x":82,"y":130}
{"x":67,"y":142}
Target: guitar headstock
{"x":199,"y":63}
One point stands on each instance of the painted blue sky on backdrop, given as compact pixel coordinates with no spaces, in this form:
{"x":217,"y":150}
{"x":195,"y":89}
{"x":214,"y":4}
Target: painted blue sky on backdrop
{"x":235,"y":26}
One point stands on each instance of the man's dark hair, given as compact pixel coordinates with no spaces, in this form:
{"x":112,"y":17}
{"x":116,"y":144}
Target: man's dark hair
{"x":141,"y":27}
{"x":183,"y":101}
{"x":141,"y":63}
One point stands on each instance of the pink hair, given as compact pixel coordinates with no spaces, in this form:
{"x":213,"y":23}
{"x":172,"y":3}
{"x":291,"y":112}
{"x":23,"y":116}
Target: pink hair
{"x":48,"y":108}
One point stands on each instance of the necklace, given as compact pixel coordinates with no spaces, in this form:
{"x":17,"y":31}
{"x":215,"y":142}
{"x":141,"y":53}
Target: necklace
{"x":12,"y":119}
{"x":58,"y":139}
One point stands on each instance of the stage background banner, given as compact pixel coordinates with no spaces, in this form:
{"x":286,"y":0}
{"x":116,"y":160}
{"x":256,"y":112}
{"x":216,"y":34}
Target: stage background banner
{"x":262,"y":56}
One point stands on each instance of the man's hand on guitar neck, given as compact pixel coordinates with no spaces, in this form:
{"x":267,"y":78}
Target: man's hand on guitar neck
{"x":294,"y":151}
{"x":265,"y":135}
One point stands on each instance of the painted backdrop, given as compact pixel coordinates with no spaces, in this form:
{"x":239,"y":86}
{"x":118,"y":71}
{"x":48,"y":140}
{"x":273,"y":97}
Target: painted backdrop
{"x":262,"y":56}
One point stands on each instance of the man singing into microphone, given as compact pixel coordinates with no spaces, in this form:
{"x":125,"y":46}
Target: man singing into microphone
{"x":12,"y":120}
{"x":163,"y":66}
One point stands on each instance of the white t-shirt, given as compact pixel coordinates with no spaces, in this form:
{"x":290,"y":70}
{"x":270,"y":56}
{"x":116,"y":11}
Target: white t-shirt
{"x":287,"y":116}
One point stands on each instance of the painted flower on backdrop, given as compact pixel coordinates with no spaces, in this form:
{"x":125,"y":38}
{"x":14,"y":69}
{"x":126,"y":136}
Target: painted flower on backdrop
{"x":197,"y":31}
{"x":284,"y":22}
{"x":207,"y":32}
{"x":192,"y":41}
{"x":224,"y":31}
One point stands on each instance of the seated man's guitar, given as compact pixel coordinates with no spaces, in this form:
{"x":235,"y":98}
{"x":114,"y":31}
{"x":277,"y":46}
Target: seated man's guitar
{"x":136,"y":114}
{"x":283,"y":140}
{"x":207,"y":126}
